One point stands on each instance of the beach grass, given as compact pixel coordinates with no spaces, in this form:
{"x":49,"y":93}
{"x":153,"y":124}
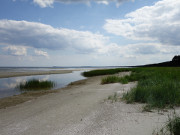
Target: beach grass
{"x":173,"y":125}
{"x":34,"y":84}
{"x":113,"y":98}
{"x":159,"y":87}
{"x":104,"y":72}
{"x":115,"y":79}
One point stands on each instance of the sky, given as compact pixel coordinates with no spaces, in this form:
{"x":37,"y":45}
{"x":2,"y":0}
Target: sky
{"x":88,"y":32}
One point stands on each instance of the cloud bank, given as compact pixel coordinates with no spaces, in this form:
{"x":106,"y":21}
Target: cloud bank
{"x":18,"y":36}
{"x":41,"y":36}
{"x":31,"y":39}
{"x":160,"y":22}
{"x":49,"y":3}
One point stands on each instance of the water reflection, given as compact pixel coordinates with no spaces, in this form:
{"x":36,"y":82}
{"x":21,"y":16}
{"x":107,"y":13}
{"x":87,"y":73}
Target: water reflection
{"x":8,"y":85}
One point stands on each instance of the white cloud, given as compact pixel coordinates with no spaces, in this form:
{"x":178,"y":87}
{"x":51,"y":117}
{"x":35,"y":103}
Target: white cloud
{"x":38,"y":35}
{"x":160,"y":22}
{"x":49,"y":3}
{"x":16,"y":50}
{"x":19,"y":36}
{"x":44,"y":3}
{"x":41,"y":53}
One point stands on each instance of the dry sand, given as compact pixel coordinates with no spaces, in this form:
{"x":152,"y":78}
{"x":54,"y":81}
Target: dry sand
{"x":15,"y":74}
{"x":81,"y":109}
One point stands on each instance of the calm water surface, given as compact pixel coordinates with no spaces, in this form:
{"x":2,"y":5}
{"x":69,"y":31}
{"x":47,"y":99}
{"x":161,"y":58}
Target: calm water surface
{"x":8,"y":85}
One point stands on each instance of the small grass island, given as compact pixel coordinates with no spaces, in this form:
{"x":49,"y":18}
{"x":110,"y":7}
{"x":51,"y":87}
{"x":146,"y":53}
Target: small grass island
{"x":34,"y":85}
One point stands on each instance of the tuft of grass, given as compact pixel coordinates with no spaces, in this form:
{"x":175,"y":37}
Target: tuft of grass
{"x":115,"y":79}
{"x":36,"y":85}
{"x":113,"y":98}
{"x":173,"y":125}
{"x":110,"y":79}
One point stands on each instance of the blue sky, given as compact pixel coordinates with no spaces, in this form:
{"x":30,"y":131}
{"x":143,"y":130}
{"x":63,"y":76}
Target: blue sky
{"x":88,"y":32}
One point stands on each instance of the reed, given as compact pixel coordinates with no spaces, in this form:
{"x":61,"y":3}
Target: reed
{"x":36,"y":85}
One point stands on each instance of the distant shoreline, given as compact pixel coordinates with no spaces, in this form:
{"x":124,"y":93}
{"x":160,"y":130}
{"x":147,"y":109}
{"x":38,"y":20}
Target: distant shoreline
{"x":30,"y":73}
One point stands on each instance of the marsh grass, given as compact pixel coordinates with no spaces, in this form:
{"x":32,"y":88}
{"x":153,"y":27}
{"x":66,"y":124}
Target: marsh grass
{"x":36,"y":85}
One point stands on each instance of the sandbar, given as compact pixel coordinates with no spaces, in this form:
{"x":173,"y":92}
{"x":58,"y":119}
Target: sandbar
{"x":29,"y":73}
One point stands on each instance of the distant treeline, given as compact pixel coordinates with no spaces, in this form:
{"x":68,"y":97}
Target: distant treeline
{"x":174,"y":63}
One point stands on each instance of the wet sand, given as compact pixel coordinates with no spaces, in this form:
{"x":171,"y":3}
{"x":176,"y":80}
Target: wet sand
{"x":81,"y":108}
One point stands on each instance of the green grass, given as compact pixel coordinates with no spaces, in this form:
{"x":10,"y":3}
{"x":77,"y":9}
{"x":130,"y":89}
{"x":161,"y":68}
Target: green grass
{"x":110,"y":79}
{"x":36,"y":85}
{"x":159,"y":87}
{"x":114,"y":79}
{"x":173,"y":125}
{"x":104,"y":72}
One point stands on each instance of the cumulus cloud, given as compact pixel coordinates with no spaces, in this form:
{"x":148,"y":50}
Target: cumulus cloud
{"x":17,"y":37}
{"x":20,"y":35}
{"x":49,"y":3}
{"x":44,"y":3}
{"x":160,"y":22}
{"x":16,"y":50}
{"x":38,"y":35}
{"x":41,"y":53}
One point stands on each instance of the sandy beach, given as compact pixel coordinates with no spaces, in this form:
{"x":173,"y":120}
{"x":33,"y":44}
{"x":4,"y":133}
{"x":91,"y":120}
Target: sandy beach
{"x":81,"y":108}
{"x":15,"y":74}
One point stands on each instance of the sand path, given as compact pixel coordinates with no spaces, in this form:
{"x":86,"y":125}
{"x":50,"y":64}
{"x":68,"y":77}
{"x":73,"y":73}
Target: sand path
{"x":80,"y":110}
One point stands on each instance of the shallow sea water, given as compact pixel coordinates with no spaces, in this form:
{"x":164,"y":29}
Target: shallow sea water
{"x":8,"y":86}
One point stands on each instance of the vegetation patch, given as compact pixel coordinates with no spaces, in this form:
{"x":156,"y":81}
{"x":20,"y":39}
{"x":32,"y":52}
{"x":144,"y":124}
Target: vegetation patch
{"x":172,"y":126}
{"x":113,"y":98}
{"x":110,"y":79}
{"x":159,"y":87}
{"x":114,"y":79}
{"x":36,"y":85}
{"x":104,"y":72}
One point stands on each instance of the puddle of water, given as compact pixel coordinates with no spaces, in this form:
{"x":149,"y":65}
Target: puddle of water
{"x":8,"y":85}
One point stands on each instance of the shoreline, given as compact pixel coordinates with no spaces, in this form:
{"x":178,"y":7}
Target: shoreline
{"x":11,"y":101}
{"x":81,"y":108}
{"x":31,"y":73}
